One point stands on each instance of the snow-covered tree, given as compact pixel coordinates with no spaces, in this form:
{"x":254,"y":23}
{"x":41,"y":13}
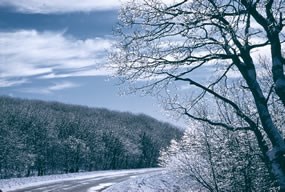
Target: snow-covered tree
{"x":200,"y":46}
{"x":40,"y":138}
{"x":216,"y":160}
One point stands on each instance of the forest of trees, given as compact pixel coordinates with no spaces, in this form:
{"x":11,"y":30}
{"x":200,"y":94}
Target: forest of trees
{"x":40,"y":138}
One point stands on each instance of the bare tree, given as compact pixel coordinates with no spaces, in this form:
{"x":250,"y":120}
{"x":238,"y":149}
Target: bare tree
{"x":168,"y":44}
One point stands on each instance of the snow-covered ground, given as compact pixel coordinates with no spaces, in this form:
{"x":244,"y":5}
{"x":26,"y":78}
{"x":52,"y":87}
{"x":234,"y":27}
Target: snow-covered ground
{"x":153,"y":182}
{"x":18,"y":183}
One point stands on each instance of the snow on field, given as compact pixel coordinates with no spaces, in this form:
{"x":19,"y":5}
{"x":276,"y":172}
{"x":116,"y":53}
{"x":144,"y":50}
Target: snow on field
{"x":17,"y":183}
{"x":153,"y":182}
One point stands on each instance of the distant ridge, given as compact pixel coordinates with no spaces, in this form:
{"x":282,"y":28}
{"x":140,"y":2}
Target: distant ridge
{"x":40,"y":138}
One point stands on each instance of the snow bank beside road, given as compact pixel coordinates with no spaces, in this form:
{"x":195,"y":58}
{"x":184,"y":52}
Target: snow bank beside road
{"x":17,"y":183}
{"x":154,"y":182}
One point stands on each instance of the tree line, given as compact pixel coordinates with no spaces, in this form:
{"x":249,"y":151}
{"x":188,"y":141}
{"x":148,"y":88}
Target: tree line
{"x":40,"y":138}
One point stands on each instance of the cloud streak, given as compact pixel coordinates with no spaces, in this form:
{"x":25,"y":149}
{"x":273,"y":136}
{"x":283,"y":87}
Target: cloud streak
{"x":66,"y":6}
{"x":52,"y":88}
{"x":28,"y":53}
{"x":9,"y":83}
{"x":60,"y":6}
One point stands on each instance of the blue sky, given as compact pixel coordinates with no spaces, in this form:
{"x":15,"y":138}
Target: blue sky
{"x":56,"y":50}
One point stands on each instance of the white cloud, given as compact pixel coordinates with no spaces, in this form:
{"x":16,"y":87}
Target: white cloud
{"x":9,"y":83}
{"x":52,"y":88}
{"x":60,"y":6}
{"x":64,"y":6}
{"x":50,"y":55}
{"x":63,"y":85}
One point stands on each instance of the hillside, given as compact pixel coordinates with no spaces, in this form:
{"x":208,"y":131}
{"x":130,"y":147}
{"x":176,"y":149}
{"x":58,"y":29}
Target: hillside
{"x":41,"y":138}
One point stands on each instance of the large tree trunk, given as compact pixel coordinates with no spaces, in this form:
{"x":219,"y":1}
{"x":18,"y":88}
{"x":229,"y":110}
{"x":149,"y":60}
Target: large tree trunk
{"x":277,"y":67}
{"x":275,"y":155}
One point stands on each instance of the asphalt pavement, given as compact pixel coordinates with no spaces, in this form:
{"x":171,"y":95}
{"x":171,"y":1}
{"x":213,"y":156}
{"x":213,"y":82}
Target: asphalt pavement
{"x":95,"y":184}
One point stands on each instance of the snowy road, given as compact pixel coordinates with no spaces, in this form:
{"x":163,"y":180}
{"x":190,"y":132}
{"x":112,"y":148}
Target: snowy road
{"x":91,"y":184}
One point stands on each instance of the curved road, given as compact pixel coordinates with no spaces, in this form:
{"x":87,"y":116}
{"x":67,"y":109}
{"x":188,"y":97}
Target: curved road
{"x":93,"y":184}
